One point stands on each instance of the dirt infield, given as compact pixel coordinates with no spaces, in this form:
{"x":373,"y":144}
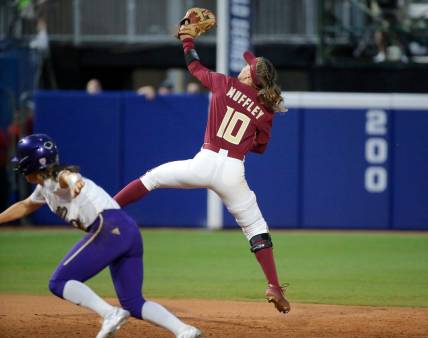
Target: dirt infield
{"x":48,"y":317}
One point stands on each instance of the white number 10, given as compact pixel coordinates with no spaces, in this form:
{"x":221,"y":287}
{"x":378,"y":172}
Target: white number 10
{"x":229,"y":123}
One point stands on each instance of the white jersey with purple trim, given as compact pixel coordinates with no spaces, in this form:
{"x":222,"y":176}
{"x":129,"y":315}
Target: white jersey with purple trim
{"x":80,"y":211}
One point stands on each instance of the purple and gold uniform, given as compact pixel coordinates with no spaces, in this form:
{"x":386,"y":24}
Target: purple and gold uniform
{"x":113,"y":240}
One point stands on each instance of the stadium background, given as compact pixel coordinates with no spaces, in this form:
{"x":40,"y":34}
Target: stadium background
{"x":351,"y":154}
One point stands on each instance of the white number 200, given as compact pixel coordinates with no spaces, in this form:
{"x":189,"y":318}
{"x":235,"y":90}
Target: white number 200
{"x":376,"y":151}
{"x":228,"y":124}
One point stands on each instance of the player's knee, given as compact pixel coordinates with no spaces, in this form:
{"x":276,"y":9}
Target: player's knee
{"x":249,"y":202}
{"x":247,"y":212}
{"x":249,"y":217}
{"x":134,"y":306}
{"x":260,"y":242}
{"x":56,"y":286}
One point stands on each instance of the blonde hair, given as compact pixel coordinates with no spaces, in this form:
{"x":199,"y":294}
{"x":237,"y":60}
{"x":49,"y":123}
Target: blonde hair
{"x":269,"y":92}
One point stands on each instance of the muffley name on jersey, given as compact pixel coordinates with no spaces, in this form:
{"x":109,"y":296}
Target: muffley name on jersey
{"x":245,"y":102}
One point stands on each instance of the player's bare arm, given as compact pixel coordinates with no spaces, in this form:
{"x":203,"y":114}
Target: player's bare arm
{"x":18,"y":210}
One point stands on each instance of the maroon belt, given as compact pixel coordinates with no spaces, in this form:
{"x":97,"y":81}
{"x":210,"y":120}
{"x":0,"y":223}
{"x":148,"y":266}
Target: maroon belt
{"x":230,"y":153}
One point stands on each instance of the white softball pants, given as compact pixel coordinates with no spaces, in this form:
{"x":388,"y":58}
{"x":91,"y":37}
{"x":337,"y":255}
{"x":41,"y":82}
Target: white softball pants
{"x":224,"y":175}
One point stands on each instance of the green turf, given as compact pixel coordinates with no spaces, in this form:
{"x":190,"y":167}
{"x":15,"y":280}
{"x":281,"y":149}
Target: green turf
{"x":381,"y":269}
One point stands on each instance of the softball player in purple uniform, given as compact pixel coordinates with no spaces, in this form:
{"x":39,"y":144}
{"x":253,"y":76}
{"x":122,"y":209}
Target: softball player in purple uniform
{"x":113,"y":239}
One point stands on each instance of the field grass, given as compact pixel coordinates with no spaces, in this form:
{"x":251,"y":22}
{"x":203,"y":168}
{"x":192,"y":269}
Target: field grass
{"x":359,"y":268}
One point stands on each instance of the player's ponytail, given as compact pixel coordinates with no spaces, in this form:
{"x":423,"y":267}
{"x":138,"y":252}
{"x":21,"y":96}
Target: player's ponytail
{"x":269,"y":92}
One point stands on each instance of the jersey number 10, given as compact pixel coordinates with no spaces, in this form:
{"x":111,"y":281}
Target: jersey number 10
{"x":229,"y":123}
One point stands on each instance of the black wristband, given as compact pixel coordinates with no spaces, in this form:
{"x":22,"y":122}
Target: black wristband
{"x":191,"y":56}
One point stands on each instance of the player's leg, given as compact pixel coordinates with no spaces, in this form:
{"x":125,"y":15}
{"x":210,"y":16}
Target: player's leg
{"x":127,"y":270}
{"x":88,"y":257}
{"x":194,"y":173}
{"x":127,"y":274}
{"x":80,"y":294}
{"x":243,"y":206}
{"x":241,"y":202}
{"x":67,"y":282}
{"x":248,"y":215}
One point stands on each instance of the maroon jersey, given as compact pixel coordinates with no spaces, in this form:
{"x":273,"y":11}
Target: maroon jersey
{"x":237,"y":120}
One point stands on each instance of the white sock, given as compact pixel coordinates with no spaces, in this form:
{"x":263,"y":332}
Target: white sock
{"x":80,"y":294}
{"x":158,"y":315}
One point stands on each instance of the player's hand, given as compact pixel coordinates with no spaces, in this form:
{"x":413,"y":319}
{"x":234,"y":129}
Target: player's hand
{"x":77,"y":188}
{"x":72,"y":181}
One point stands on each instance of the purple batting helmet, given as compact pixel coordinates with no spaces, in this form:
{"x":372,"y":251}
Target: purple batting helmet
{"x":35,"y":152}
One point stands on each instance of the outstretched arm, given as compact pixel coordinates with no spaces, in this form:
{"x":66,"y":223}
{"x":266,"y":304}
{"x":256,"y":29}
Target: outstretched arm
{"x":18,"y":210}
{"x":207,"y":77}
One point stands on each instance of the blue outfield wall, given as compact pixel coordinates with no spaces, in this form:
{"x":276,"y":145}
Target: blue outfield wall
{"x":410,"y":198}
{"x":344,"y":161}
{"x":88,"y":133}
{"x":334,"y":168}
{"x":155,"y":132}
{"x":117,"y":137}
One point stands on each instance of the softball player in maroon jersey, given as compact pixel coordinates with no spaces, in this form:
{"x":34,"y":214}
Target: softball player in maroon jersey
{"x":113,"y":239}
{"x":240,"y":120}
